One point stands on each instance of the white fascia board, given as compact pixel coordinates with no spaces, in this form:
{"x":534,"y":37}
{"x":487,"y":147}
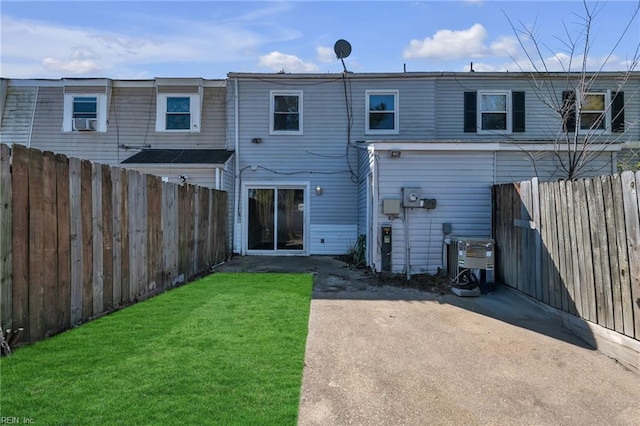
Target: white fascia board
{"x":479,"y":146}
{"x":79,"y":82}
{"x":101,"y":82}
{"x":631,"y":144}
{"x":178,"y":81}
{"x":153,"y":83}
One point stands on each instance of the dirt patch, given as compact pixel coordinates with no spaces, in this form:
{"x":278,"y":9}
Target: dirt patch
{"x":433,"y":283}
{"x":425,"y":282}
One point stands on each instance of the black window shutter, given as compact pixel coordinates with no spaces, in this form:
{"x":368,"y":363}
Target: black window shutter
{"x":517,"y":105}
{"x":470,"y":112}
{"x":617,"y":112}
{"x":568,"y":111}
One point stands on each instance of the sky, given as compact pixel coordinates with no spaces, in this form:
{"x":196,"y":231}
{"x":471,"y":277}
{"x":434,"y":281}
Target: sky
{"x":208,"y":39}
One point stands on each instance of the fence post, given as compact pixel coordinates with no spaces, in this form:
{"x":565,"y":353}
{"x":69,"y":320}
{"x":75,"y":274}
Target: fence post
{"x":535,"y":217}
{"x":6,"y":271}
{"x":98,"y":239}
{"x":630,"y":184}
{"x":75,"y":208}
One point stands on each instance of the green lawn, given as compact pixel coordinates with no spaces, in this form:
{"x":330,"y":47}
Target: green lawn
{"x":227,"y":349}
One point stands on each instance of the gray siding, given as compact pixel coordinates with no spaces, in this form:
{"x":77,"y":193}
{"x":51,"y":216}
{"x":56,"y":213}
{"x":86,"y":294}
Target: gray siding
{"x":416,"y":107}
{"x":321,"y":156}
{"x":461,"y":184}
{"x":229,"y":186}
{"x":629,"y":159}
{"x":542,"y":124}
{"x":514,"y":166}
{"x":16,"y":115}
{"x":131,"y":126}
{"x":364,"y":169}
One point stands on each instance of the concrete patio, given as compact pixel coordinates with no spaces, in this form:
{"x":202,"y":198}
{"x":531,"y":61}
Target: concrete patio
{"x":386,"y":355}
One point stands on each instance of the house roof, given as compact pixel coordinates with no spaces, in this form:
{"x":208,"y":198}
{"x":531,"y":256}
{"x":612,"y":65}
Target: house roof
{"x":180,"y":156}
{"x":429,"y":75}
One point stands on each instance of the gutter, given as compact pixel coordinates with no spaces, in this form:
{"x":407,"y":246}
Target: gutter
{"x":236,"y":200}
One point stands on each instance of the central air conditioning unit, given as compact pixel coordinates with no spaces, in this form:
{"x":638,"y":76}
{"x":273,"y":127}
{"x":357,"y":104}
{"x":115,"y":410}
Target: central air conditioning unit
{"x":467,"y":254}
{"x":85,"y":124}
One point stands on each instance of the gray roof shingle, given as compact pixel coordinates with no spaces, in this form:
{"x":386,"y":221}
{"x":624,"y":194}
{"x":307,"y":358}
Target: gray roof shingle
{"x":180,"y":156}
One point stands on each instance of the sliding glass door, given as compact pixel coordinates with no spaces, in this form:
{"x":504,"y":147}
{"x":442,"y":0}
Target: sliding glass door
{"x":276,"y":219}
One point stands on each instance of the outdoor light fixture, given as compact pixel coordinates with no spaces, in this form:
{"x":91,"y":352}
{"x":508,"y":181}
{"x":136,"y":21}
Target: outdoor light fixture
{"x":396,"y":154}
{"x":256,"y":140}
{"x":318,"y":190}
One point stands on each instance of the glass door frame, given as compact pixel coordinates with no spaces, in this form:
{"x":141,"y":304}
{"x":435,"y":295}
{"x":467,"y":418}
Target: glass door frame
{"x":305,"y":186}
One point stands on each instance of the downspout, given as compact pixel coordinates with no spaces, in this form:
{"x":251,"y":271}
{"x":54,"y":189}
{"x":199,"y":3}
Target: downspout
{"x":236,"y":201}
{"x":33,"y":116}
{"x":218,"y":186}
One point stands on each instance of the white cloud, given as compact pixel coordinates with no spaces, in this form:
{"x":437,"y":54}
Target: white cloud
{"x":48,"y":50}
{"x":278,"y":61}
{"x":325,"y":54}
{"x":559,"y":62}
{"x":453,"y":44}
{"x":71,"y":66}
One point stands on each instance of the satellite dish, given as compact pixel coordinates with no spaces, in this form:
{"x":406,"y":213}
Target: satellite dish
{"x":342,"y":49}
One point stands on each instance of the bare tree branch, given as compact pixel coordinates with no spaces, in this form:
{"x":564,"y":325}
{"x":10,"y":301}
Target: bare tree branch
{"x":589,"y":135}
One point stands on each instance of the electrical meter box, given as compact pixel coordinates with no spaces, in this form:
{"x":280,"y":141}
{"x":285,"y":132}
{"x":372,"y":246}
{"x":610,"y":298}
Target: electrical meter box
{"x":411,"y":197}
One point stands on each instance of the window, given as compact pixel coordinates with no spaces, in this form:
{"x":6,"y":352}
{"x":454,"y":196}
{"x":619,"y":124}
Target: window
{"x":178,"y":116}
{"x":178,"y":113}
{"x":494,"y":111}
{"x":286,"y":112}
{"x":84,"y":112}
{"x":493,"y":114}
{"x":382,"y":112}
{"x":593,"y":111}
{"x":85,"y":107}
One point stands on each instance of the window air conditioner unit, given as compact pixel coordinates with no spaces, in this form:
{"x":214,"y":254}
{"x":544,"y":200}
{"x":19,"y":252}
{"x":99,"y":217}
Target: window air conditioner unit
{"x":466,"y":254}
{"x":85,"y":124}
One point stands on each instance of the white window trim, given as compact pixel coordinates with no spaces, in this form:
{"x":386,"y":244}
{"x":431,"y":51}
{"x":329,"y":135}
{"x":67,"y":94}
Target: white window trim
{"x":305,"y":185}
{"x":509,"y":112}
{"x":607,"y":109}
{"x":272,"y":95}
{"x":194,"y":111}
{"x":396,"y":113}
{"x":67,"y":115}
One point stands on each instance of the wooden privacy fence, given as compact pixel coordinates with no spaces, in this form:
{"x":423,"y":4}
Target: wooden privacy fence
{"x":574,"y":245}
{"x":78,"y":239}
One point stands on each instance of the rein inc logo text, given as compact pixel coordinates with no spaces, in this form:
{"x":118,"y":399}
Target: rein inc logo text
{"x":16,"y":421}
